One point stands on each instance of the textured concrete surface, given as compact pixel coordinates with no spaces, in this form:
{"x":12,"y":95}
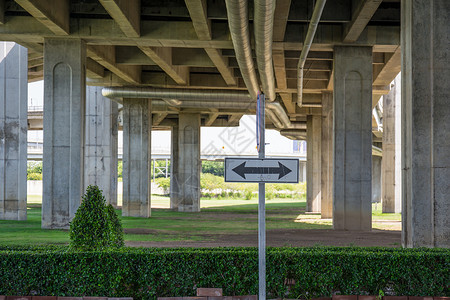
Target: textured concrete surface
{"x":174,"y":170}
{"x":352,"y":176}
{"x":313,"y":163}
{"x":390,"y":203}
{"x":327,"y":156}
{"x":189,"y":163}
{"x":13,"y":131}
{"x":100,"y":160}
{"x":63,"y":157}
{"x":137,"y":128}
{"x":376,"y":178}
{"x":425,"y":123}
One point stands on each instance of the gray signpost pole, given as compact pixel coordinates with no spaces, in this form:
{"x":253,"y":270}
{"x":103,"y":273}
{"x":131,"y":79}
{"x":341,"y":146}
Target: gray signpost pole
{"x":262,"y":202}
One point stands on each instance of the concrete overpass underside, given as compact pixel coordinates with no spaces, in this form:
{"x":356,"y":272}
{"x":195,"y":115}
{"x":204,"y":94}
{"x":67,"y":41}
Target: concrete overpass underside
{"x":179,"y":65}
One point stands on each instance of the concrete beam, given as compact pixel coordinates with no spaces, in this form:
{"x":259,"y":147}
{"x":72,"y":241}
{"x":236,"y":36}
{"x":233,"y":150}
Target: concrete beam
{"x":221,"y":64}
{"x":32,"y":47}
{"x":53,"y":14}
{"x":94,"y":69}
{"x":191,"y":57}
{"x":281,"y":15}
{"x":280,"y":68}
{"x":163,"y":58}
{"x":234,"y":118}
{"x":361,"y":17}
{"x":105,"y":56}
{"x":155,"y":33}
{"x":287,"y":101}
{"x":198,"y":12}
{"x":158,"y":118}
{"x":127,"y":13}
{"x":391,"y":68}
{"x":211,"y":118}
{"x":2,"y":11}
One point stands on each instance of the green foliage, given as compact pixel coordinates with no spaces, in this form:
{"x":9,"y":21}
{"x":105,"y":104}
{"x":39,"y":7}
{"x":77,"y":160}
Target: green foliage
{"x":95,"y":225}
{"x":213,"y":167}
{"x":115,"y":227}
{"x":164,"y":183}
{"x":34,"y":176}
{"x":119,"y":169}
{"x":147,"y":273}
{"x":34,"y":167}
{"x":34,"y":170}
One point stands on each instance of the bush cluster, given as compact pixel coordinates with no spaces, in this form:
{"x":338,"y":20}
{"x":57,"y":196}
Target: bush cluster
{"x":95,"y":225}
{"x":291,"y":272}
{"x":34,"y":170}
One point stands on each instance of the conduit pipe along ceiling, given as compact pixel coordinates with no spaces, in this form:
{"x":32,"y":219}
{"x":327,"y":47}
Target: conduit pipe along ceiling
{"x":263,"y":27}
{"x":317,"y":13}
{"x":237,"y":11}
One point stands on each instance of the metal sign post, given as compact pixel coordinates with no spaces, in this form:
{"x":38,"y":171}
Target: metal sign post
{"x":261,"y":143}
{"x":261,"y":170}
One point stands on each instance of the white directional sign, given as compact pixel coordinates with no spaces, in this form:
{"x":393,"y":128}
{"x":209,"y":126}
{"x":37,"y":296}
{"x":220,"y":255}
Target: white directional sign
{"x":261,"y":170}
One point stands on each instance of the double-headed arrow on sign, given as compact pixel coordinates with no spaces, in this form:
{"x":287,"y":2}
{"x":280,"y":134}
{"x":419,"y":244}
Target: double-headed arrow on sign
{"x":281,"y":170}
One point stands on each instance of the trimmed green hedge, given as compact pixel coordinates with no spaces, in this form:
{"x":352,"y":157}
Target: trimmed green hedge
{"x":146,"y":273}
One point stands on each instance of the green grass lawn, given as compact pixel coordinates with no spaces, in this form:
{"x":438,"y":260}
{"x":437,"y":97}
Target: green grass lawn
{"x":217,"y":217}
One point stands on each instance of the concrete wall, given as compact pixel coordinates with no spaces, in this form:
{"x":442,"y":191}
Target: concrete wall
{"x":137,"y":126}
{"x":13,"y":131}
{"x":64,"y":102}
{"x":352,"y":187}
{"x":425,"y":123}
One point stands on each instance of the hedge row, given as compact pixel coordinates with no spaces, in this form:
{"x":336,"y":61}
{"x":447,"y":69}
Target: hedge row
{"x":144,"y":273}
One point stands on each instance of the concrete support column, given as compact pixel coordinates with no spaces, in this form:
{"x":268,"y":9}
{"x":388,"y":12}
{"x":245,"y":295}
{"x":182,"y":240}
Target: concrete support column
{"x":64,"y":105}
{"x":352,"y":178}
{"x":377,"y":162}
{"x":327,"y":156}
{"x":313,"y":169}
{"x":425,"y":123}
{"x":100,"y":164}
{"x":137,"y":128}
{"x":174,"y":170}
{"x":189,"y":163}
{"x":13,"y":131}
{"x":390,"y":203}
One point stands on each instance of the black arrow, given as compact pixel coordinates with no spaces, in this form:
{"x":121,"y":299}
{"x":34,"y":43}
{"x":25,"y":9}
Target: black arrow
{"x":281,"y":170}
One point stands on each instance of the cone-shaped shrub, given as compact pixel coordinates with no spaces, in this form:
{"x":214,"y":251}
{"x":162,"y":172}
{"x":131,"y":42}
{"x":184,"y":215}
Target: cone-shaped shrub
{"x":95,"y":226}
{"x":115,"y":227}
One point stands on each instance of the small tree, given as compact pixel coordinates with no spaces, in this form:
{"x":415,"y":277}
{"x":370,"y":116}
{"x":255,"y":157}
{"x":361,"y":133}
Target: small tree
{"x":95,"y":226}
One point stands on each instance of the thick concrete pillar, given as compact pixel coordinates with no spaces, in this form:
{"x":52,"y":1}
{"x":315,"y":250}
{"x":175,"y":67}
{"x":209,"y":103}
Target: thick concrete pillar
{"x":64,"y":105}
{"x":327,"y":156}
{"x":390,"y":203}
{"x":425,"y":123}
{"x":137,"y":128}
{"x":377,"y":162}
{"x":13,"y":131}
{"x":189,"y":163}
{"x":352,"y":182}
{"x":313,"y":169}
{"x":174,"y":170}
{"x":100,"y":164}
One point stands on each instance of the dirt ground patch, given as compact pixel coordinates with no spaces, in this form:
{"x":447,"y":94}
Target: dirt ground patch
{"x":283,"y":237}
